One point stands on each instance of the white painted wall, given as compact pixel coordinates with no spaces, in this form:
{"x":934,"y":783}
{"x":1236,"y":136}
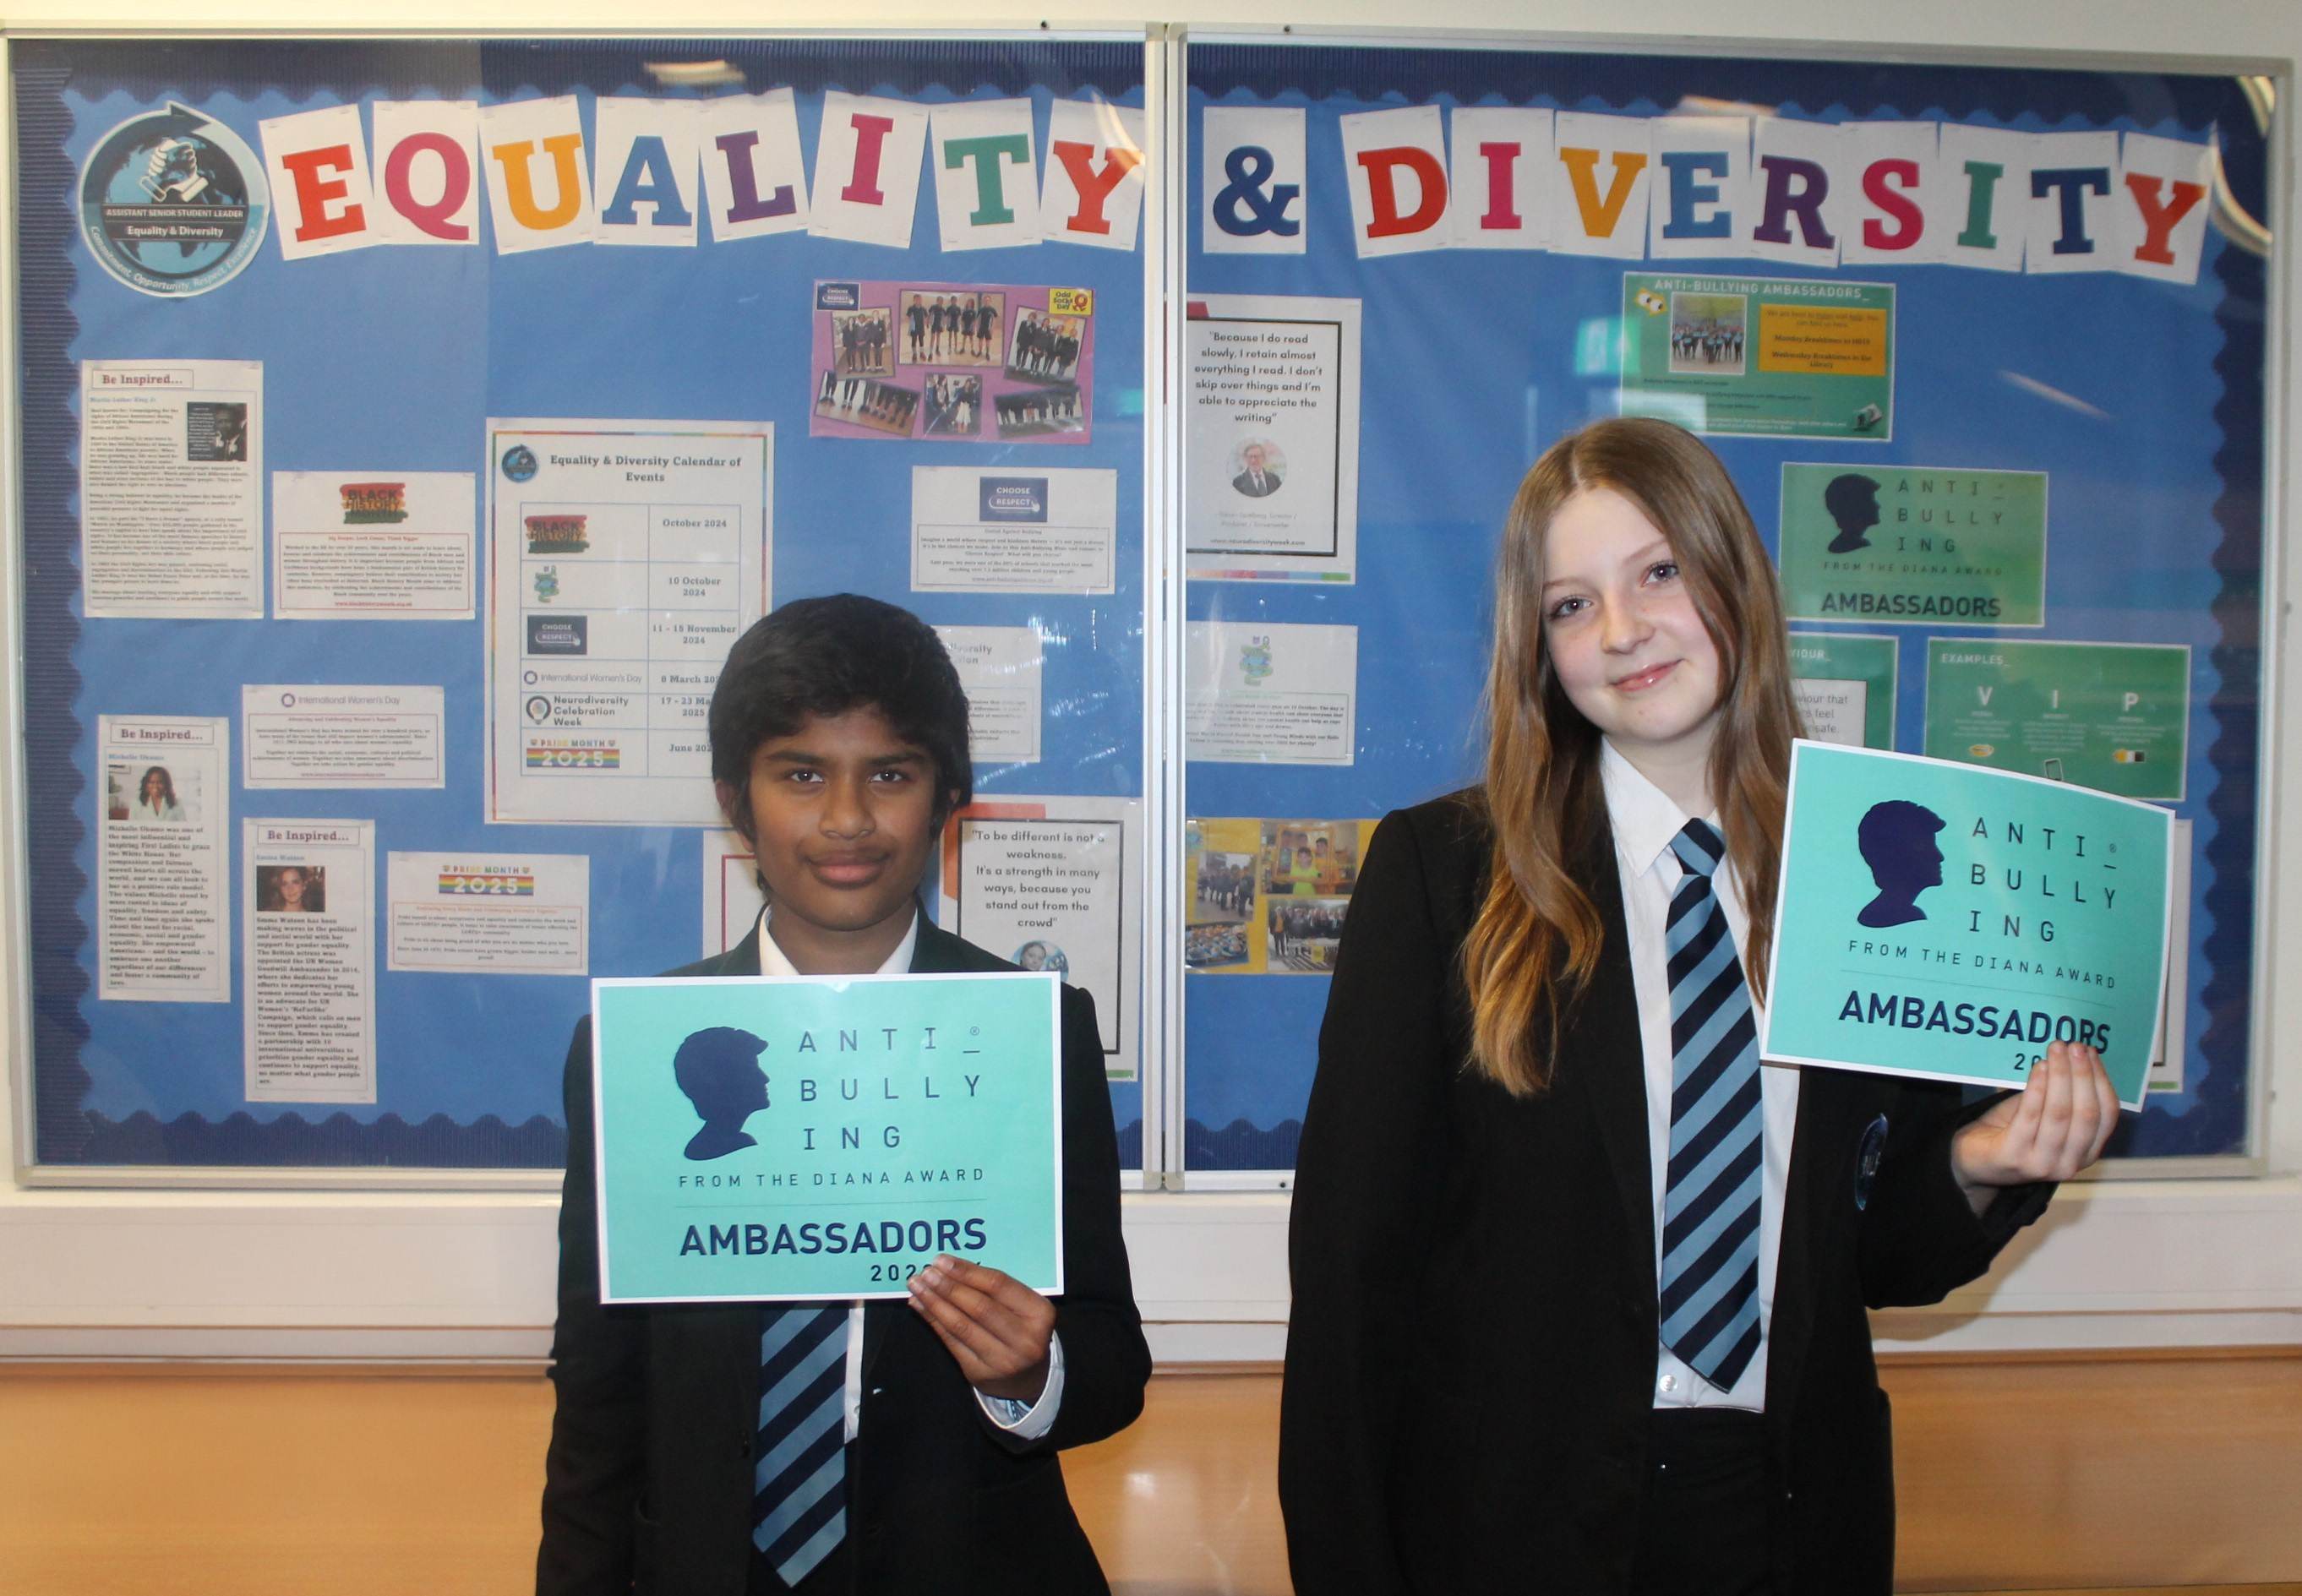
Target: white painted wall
{"x":468,"y":1274}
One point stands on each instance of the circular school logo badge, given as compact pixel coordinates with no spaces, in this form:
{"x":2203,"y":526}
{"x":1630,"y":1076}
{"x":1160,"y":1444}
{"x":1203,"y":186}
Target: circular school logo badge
{"x":519,"y":462}
{"x":173,"y":203}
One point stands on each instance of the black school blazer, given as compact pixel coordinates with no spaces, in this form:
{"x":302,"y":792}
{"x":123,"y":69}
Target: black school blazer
{"x":1471,"y":1357}
{"x":648,"y":1480}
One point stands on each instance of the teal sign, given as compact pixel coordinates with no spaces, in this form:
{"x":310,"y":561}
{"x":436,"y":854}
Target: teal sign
{"x":1801,"y":358}
{"x":1946,"y":921}
{"x":765,"y":1138}
{"x":1843,"y":682}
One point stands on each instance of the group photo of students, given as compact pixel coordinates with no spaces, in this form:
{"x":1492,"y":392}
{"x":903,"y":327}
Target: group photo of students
{"x":952,"y":329}
{"x":1570,"y":950}
{"x":865,"y":402}
{"x":1277,"y":807}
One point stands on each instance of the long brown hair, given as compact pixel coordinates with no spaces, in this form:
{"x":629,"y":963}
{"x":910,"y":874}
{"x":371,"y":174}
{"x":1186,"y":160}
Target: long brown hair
{"x":1536,"y":940}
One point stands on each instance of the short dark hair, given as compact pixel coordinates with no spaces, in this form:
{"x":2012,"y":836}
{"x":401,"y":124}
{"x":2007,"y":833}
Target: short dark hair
{"x":826,"y":657}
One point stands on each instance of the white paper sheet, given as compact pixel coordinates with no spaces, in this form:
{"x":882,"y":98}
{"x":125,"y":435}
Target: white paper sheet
{"x":307,"y":944}
{"x":626,"y":559}
{"x":172,"y":488}
{"x":306,"y":737}
{"x":482,"y":913}
{"x":163,"y":904}
{"x":1260,"y":694}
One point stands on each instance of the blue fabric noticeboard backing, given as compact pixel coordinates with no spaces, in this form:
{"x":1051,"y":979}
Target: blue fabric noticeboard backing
{"x":397,"y":358}
{"x":2142,"y":400}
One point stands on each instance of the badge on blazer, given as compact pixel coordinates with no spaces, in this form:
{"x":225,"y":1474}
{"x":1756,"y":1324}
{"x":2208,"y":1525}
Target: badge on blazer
{"x":1866,"y":1163}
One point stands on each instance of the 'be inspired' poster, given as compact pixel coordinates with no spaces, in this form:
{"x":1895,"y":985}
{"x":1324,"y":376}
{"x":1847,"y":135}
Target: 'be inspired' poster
{"x":1948,"y":922}
{"x":814,"y":1138}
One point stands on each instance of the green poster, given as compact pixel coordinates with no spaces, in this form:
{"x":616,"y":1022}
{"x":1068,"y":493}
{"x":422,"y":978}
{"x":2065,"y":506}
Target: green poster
{"x":1912,"y":544}
{"x":1845,"y":683}
{"x":1947,"y":922}
{"x":772,"y":1139}
{"x":1778,"y":357}
{"x":2110,"y":716}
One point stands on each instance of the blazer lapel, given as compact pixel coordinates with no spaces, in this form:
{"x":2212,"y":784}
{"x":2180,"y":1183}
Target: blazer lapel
{"x":743,"y":958}
{"x":1600,"y":1048}
{"x":938,"y":950}
{"x":1835,"y":1107}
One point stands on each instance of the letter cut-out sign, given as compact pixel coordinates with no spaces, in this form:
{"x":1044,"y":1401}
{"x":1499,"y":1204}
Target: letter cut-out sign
{"x":317,"y":162}
{"x":2073,"y":199}
{"x":1702,"y":204}
{"x":754,"y":177}
{"x":1093,"y":190}
{"x":1255,"y":181}
{"x":2166,"y":189}
{"x":1396,"y":162}
{"x":1698,"y":187}
{"x":1599,"y":191}
{"x":1900,"y":211}
{"x":1987,"y":172}
{"x":867,"y":169}
{"x":645,"y":171}
{"x":1803,"y":188}
{"x":427,"y":171}
{"x":987,"y":174}
{"x":539,"y":178}
{"x":1506,"y":184}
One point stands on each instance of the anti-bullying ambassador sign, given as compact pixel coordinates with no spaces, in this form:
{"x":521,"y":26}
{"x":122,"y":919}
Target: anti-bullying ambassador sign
{"x":1948,"y":922}
{"x":770,"y":1138}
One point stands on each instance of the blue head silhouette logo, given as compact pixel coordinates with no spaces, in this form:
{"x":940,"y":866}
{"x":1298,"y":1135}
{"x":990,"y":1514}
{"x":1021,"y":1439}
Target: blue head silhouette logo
{"x":719,"y":1071}
{"x":1897,"y":839}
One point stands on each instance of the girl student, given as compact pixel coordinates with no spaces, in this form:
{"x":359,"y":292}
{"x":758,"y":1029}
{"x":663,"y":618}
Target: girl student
{"x":1579,"y":1287}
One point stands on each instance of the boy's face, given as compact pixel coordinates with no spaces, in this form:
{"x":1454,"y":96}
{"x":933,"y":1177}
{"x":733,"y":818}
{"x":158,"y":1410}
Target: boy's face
{"x":841,"y":818}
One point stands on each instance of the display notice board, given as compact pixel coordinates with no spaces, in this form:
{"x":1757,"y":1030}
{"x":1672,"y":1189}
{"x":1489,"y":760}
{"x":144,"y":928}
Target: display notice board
{"x":410,"y":427}
{"x":407,"y":427}
{"x":1983,"y":349}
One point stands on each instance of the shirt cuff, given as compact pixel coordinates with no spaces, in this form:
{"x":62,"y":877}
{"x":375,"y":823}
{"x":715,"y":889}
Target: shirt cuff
{"x":1028,"y":1421}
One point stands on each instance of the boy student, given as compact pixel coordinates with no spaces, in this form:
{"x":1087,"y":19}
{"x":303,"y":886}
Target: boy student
{"x":733,"y":1449}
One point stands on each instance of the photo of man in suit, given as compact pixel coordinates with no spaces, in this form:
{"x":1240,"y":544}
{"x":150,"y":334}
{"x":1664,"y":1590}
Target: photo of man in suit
{"x":1260,"y":479}
{"x":734,"y":1449}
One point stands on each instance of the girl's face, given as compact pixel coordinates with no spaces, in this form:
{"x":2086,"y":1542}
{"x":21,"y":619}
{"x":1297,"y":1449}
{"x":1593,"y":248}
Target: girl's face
{"x":155,"y":785}
{"x":291,"y":887}
{"x":1620,"y":626}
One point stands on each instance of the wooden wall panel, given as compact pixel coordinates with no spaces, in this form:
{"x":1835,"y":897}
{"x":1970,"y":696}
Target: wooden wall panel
{"x":2049,"y":1473}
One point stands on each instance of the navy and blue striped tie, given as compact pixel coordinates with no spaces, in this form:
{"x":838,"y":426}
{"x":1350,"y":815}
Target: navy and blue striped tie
{"x":799,"y":1505}
{"x":1710,"y":1198}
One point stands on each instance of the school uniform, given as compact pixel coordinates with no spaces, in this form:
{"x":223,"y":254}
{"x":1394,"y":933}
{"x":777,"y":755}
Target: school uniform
{"x":1477,"y":1395}
{"x":650,"y":1476}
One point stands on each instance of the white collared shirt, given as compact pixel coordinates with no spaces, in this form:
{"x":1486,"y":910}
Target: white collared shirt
{"x":1644,"y":819}
{"x":1027,"y":1420}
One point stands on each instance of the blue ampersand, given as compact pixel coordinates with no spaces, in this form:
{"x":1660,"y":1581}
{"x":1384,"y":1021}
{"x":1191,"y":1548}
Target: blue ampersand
{"x":1248,"y":167}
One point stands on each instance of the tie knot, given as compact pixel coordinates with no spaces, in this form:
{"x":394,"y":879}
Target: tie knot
{"x":1699,"y":847}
